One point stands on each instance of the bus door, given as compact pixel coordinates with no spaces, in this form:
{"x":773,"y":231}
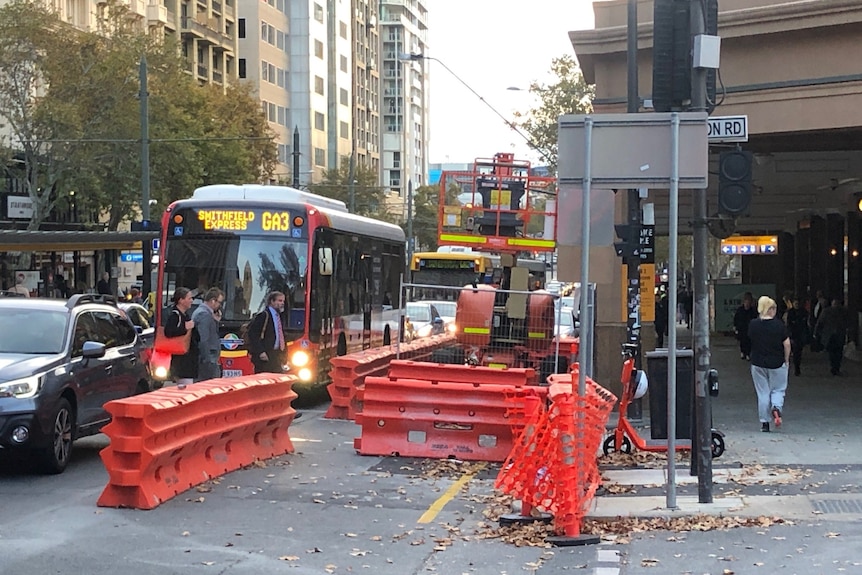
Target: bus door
{"x":366,"y":270}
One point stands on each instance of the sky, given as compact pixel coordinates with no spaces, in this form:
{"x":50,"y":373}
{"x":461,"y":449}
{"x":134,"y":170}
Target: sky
{"x":492,"y":45}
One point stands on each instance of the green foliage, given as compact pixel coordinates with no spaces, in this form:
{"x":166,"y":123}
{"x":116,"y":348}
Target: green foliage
{"x":426,"y":200}
{"x":368,"y":197}
{"x":71,"y":100}
{"x":568,"y":94}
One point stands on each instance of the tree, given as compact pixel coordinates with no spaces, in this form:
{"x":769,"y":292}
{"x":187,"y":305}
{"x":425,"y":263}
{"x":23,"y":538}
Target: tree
{"x":368,"y":197}
{"x":71,"y":100}
{"x":568,"y":94}
{"x":426,"y":200}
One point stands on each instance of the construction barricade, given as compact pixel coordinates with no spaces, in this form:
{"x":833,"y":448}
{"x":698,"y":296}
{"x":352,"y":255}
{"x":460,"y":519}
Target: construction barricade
{"x":418,"y":417}
{"x":167,"y":441}
{"x":554,"y":465}
{"x":349,"y":371}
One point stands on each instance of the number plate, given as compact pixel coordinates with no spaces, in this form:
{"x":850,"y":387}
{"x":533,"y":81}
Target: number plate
{"x":231,"y":373}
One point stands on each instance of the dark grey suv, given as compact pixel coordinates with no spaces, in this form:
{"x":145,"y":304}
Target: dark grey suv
{"x":60,"y":362}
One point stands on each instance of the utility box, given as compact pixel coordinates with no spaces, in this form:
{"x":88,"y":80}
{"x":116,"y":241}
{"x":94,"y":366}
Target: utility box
{"x":657,"y":371}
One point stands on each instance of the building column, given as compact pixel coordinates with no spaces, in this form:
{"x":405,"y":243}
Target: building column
{"x":854,"y":274}
{"x":834,"y":255}
{"x":801,"y":276}
{"x":786,"y":281}
{"x":817,"y":253}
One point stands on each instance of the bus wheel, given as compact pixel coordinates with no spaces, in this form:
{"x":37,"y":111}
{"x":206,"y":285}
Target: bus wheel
{"x":387,"y":336}
{"x":342,"y":345}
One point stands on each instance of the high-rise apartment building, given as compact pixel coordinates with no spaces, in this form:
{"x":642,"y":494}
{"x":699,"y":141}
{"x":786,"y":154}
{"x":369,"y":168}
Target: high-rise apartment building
{"x":205,"y":29}
{"x":366,"y":84}
{"x":404,"y":30}
{"x":297,"y":53}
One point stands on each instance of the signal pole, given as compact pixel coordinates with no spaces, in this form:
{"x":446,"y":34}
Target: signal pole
{"x":633,"y":207}
{"x":146,"y":252}
{"x":701,"y":450}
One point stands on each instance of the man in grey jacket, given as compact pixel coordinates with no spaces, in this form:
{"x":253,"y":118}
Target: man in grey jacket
{"x":209,"y":342}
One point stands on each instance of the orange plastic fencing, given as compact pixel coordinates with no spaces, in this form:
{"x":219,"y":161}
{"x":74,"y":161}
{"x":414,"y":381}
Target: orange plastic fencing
{"x":553,"y":465}
{"x":420,"y":418}
{"x":166,"y":441}
{"x":440,"y":372}
{"x":349,"y":371}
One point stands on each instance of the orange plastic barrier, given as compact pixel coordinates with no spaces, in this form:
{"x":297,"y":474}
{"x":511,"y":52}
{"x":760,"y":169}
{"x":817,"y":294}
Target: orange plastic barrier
{"x":349,"y":371}
{"x":553,"y":465}
{"x":418,"y":418}
{"x":166,"y":441}
{"x":442,"y":372}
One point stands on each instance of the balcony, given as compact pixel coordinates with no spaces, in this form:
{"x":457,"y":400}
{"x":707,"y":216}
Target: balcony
{"x":137,"y":9}
{"x":157,"y":14}
{"x":204,"y":32}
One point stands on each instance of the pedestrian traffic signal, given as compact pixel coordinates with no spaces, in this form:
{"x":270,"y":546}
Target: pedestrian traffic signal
{"x":734,"y":182}
{"x":629,"y":247}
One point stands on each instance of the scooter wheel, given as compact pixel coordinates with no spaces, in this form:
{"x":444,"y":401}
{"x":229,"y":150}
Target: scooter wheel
{"x":717,"y":445}
{"x":610,"y":445}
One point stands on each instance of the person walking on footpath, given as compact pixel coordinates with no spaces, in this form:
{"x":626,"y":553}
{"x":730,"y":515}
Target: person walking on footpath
{"x":770,"y":356}
{"x":19,"y":287}
{"x":831,"y":331}
{"x":209,"y":342}
{"x":796,"y":320}
{"x":661,"y":319}
{"x":741,"y":318}
{"x":184,"y":368}
{"x":266,"y":337}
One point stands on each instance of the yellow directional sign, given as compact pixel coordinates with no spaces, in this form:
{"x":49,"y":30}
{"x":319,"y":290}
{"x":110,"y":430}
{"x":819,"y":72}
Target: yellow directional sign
{"x":749,"y":245}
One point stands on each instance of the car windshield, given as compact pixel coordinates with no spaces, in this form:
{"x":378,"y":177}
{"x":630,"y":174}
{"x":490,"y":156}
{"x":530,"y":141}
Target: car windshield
{"x":418,"y":312}
{"x":565,"y":318}
{"x":32,"y":331}
{"x":446,"y":308}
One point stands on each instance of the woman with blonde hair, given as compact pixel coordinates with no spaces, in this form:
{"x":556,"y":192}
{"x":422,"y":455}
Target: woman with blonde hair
{"x":770,"y":356}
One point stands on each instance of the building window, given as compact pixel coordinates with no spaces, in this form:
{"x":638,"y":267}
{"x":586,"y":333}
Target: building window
{"x":342,"y":30}
{"x":318,"y":49}
{"x":318,"y":15}
{"x":318,"y":121}
{"x":281,"y":115}
{"x":396,"y":160}
{"x":281,"y":78}
{"x":345,"y":130}
{"x":319,"y":157}
{"x":241,"y":32}
{"x":279,"y":40}
{"x":343,"y":97}
{"x":343,"y":64}
{"x":272,"y":113}
{"x":264,"y":71}
{"x":242,"y":67}
{"x":318,"y":85}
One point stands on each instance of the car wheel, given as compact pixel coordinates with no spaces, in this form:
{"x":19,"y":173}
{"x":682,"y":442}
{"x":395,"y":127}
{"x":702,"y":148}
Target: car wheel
{"x":56,"y":457}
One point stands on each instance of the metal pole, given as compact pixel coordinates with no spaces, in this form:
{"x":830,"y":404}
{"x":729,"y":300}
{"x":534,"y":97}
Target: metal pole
{"x":701,"y":448}
{"x":295,"y":155}
{"x":351,"y":183}
{"x":146,"y":264}
{"x":633,"y":207}
{"x":673,"y":230}
{"x":409,"y":226}
{"x":586,"y":321}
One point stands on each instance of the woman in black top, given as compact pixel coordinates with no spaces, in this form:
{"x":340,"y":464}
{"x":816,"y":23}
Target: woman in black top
{"x":797,"y":324}
{"x":770,"y":354}
{"x":184,"y":368}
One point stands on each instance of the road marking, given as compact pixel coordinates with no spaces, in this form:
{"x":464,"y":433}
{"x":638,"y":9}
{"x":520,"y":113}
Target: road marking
{"x":450,"y":493}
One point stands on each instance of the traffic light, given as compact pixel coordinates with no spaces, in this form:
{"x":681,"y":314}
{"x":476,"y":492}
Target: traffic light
{"x":629,"y":247}
{"x":734,"y":182}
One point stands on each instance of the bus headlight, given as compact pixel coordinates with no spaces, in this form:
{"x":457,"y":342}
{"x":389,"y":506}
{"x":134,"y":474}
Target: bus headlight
{"x":452,"y":328}
{"x":305,"y":374}
{"x":160,"y":372}
{"x":300,"y":359}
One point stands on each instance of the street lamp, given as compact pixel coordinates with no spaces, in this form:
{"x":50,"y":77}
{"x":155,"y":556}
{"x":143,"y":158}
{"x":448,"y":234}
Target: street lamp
{"x":415,"y":57}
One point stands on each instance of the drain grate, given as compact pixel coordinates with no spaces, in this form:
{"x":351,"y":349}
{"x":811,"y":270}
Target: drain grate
{"x":838,"y":505}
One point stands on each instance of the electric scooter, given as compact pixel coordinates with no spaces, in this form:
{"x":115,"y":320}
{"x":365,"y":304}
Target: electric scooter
{"x":625,"y":435}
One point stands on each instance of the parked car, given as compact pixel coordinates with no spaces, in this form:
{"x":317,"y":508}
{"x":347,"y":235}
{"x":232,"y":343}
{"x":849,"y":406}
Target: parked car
{"x":564,"y":321}
{"x":424,"y":318}
{"x":140,"y":318}
{"x":61,"y":362}
{"x":447,"y":310}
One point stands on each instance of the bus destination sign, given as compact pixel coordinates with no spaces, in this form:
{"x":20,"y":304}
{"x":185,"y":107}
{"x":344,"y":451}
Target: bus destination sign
{"x":240,"y":221}
{"x":442,"y":264}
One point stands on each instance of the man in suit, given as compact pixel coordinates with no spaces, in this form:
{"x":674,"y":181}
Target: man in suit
{"x":265,"y":336}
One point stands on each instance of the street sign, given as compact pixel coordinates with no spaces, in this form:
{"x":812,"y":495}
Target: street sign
{"x":727,"y":128}
{"x":131,"y":257}
{"x":749,"y":245}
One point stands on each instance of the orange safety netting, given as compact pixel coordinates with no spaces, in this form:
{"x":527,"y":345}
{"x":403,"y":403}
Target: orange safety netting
{"x":553,"y":464}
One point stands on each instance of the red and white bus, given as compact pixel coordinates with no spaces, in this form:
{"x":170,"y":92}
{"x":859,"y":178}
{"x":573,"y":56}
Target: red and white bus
{"x":340,"y":272}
